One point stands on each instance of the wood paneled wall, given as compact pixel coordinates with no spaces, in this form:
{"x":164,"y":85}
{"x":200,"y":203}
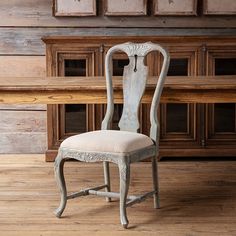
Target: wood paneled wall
{"x":22,"y":128}
{"x":34,"y":13}
{"x":22,"y":53}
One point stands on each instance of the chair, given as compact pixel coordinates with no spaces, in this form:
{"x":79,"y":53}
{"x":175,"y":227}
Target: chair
{"x":122,"y":147}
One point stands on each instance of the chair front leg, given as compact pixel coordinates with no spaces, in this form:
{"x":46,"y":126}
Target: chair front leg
{"x":155,"y":182}
{"x":124,"y":169}
{"x":59,"y":174}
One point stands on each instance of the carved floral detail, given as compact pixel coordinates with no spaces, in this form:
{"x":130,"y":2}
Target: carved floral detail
{"x":117,"y":158}
{"x":124,"y":170}
{"x":89,"y":156}
{"x":139,"y":49}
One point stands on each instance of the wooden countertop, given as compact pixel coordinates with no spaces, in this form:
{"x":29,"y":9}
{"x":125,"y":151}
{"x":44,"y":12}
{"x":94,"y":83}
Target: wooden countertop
{"x":59,"y":90}
{"x":98,"y":82}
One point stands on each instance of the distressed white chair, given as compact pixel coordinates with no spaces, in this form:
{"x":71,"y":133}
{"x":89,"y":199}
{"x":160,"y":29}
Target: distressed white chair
{"x":124,"y":146}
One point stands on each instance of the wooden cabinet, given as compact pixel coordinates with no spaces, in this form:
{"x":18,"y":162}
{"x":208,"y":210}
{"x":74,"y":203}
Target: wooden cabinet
{"x":186,"y":129}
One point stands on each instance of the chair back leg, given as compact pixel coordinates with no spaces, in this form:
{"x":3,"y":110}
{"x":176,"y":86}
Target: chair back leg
{"x":155,"y":182}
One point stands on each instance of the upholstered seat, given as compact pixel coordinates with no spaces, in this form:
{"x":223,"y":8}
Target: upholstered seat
{"x":113,"y":141}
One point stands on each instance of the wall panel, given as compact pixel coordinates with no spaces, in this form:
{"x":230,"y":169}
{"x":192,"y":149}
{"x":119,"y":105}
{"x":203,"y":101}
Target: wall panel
{"x":22,"y":121}
{"x":23,"y":142}
{"x":38,"y":13}
{"x":22,"y":66}
{"x":27,"y":41}
{"x":22,"y":127}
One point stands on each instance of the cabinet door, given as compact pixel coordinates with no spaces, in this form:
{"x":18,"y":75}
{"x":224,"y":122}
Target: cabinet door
{"x":179,"y":121}
{"x":221,"y":117}
{"x":70,"y":119}
{"x":74,"y":118}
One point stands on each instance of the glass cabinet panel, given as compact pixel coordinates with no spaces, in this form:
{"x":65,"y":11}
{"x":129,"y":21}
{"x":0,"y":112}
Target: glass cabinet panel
{"x":225,"y":66}
{"x":75,"y":114}
{"x":75,"y":67}
{"x":177,"y":118}
{"x":75,"y":118}
{"x":178,"y":67}
{"x":177,"y":114}
{"x":224,"y":114}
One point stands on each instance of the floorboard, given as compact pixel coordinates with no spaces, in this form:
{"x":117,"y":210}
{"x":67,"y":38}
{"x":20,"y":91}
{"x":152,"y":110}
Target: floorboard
{"x":197,"y":198}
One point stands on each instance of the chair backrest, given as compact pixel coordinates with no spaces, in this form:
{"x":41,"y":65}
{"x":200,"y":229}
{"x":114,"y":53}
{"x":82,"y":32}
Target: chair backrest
{"x":134,"y":82}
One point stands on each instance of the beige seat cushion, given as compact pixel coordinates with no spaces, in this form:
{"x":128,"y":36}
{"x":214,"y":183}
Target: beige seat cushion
{"x":113,"y":141}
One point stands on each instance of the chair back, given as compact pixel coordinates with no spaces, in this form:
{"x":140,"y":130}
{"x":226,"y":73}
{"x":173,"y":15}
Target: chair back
{"x":134,"y":82}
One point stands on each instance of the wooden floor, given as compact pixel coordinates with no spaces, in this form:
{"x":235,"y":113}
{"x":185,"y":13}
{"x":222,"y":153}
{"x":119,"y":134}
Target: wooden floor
{"x":197,"y":198}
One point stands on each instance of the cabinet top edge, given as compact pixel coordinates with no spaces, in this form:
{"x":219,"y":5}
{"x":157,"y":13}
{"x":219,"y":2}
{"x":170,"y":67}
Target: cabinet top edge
{"x":101,"y":39}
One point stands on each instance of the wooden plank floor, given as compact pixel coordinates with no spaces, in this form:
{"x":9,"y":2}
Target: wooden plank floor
{"x":197,"y":198}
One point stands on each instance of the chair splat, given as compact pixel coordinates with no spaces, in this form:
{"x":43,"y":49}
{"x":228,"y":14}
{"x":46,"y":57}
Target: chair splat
{"x":134,"y":83}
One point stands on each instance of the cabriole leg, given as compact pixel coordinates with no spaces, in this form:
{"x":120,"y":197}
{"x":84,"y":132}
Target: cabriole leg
{"x":155,"y":182}
{"x":107,"y":178}
{"x":124,"y":170}
{"x":59,"y":174}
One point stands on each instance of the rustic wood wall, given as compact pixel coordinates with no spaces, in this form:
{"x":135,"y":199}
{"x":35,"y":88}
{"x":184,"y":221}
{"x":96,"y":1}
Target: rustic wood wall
{"x":22,"y":53}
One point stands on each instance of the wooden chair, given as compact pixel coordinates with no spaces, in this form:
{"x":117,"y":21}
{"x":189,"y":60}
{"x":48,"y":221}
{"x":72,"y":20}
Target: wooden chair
{"x":124,"y":146}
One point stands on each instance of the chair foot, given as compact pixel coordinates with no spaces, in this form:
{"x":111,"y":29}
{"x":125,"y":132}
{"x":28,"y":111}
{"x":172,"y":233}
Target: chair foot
{"x":108,"y":199}
{"x":58,"y":213}
{"x":124,"y":220}
{"x":157,"y":206}
{"x":125,"y":226}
